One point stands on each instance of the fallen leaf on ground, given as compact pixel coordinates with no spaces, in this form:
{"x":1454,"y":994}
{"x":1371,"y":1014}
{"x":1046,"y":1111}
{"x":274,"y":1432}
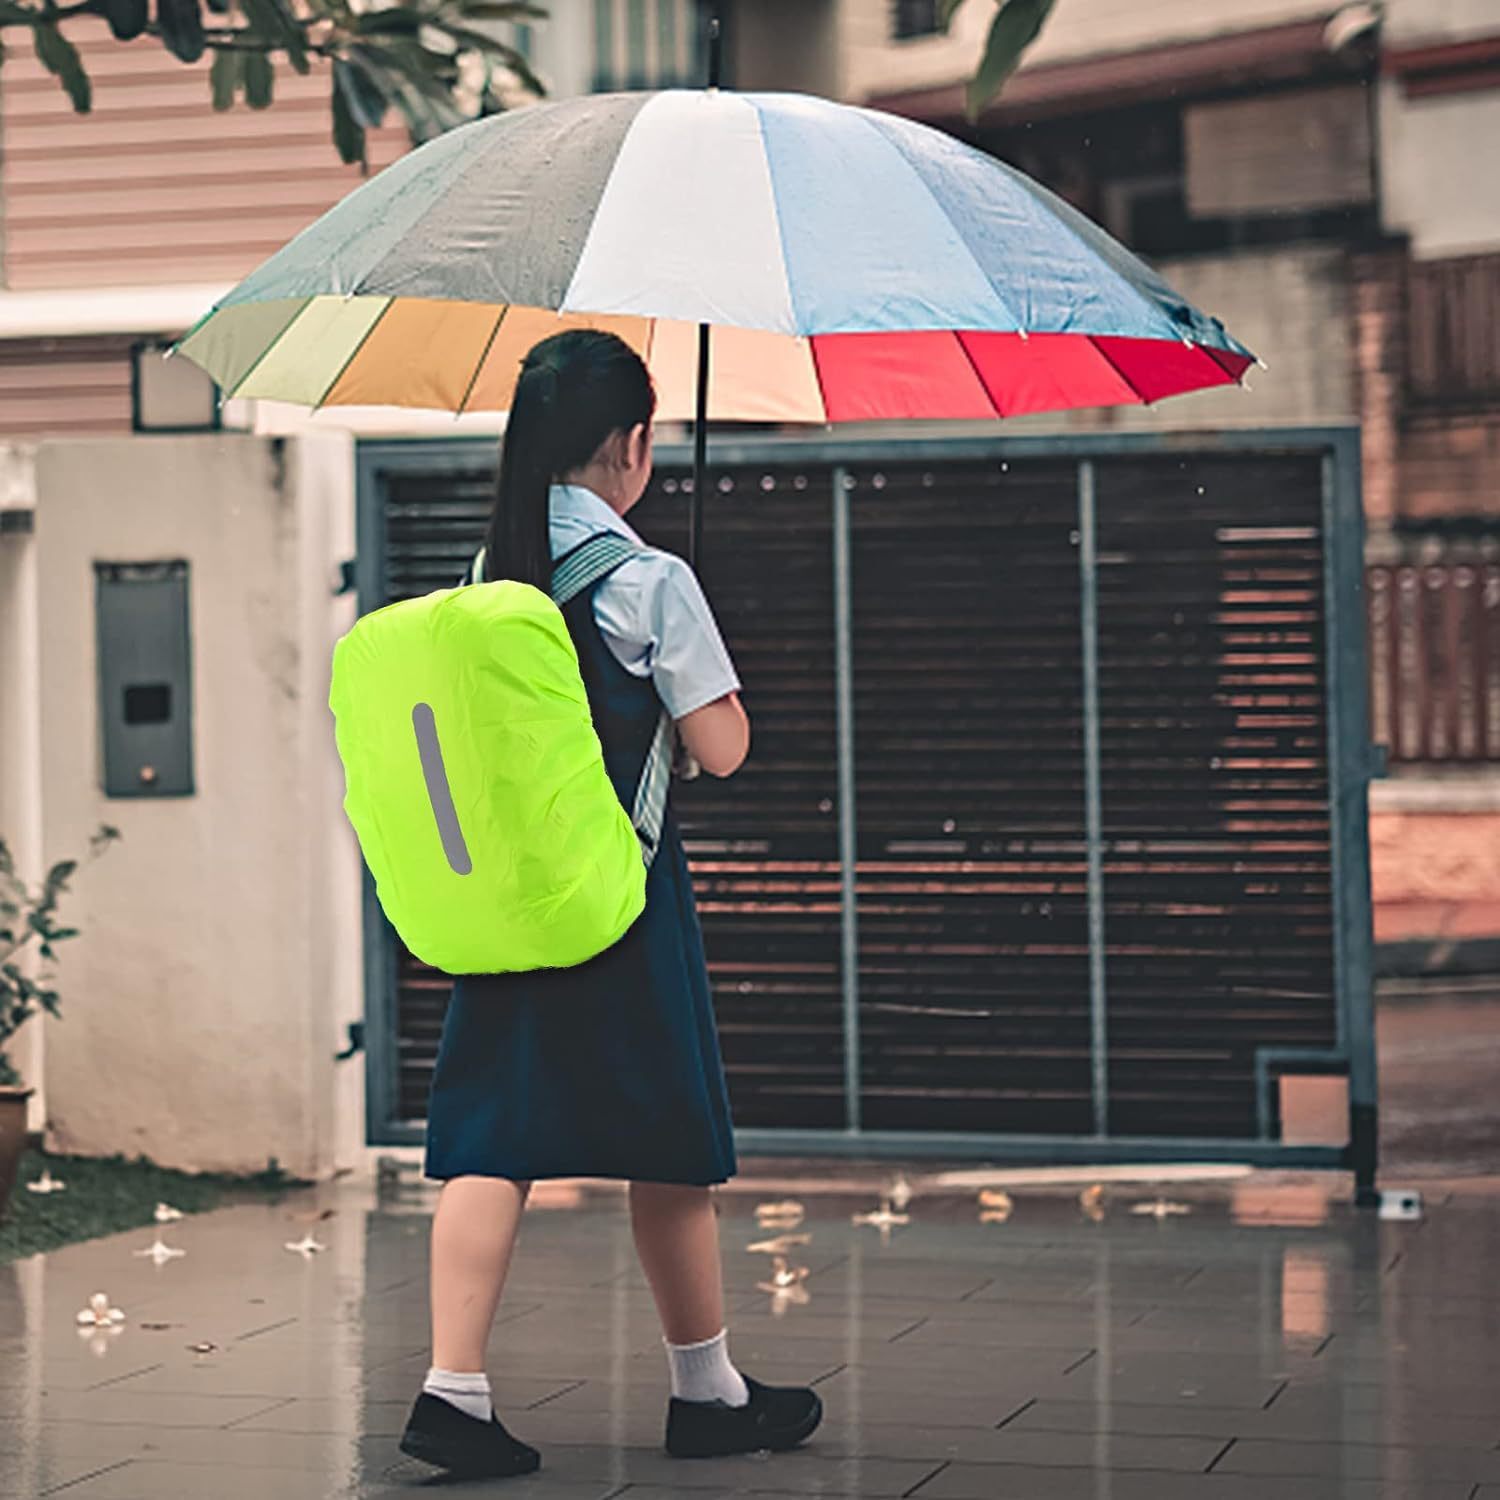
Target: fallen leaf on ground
{"x":780,"y":1245}
{"x":99,"y":1313}
{"x":883,"y":1218}
{"x":306,"y":1246}
{"x":1160,"y":1208}
{"x":786,"y":1213}
{"x":159,"y":1252}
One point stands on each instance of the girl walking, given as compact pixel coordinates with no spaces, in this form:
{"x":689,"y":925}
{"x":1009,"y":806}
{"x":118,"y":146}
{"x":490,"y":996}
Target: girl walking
{"x":612,"y":1068}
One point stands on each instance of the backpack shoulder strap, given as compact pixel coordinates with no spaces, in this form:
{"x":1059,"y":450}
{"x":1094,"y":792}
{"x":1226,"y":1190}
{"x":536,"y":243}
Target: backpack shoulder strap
{"x":574,"y":573}
{"x":577,"y":571}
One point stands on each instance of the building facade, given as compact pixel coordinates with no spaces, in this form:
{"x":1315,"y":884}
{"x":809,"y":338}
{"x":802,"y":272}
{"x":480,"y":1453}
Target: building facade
{"x":1318,"y":175}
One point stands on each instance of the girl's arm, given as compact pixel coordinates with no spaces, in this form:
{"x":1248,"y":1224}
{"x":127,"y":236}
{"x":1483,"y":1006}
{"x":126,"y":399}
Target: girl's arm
{"x":717,"y":735}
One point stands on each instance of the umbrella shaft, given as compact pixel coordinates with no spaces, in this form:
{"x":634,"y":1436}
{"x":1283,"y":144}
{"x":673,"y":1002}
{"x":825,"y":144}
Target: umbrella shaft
{"x":700,"y":454}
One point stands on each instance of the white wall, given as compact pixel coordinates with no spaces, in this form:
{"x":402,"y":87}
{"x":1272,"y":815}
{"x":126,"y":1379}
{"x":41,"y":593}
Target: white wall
{"x":220,"y":939}
{"x":1419,"y":22}
{"x":20,"y":739}
{"x":1440,"y":168}
{"x":874,"y":64}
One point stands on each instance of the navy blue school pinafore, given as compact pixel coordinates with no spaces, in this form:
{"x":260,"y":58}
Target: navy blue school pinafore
{"x":609,"y":1069}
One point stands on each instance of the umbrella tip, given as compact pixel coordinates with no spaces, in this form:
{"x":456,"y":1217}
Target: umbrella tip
{"x":1260,"y":364}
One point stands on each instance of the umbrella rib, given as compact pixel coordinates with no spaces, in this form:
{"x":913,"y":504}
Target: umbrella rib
{"x":354,"y":353}
{"x":984,"y":385}
{"x":484,"y":354}
{"x":1213,"y":354}
{"x":1103,"y":354}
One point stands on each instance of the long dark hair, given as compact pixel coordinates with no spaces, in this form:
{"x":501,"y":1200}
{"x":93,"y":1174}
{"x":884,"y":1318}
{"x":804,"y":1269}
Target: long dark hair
{"x":575,"y":389}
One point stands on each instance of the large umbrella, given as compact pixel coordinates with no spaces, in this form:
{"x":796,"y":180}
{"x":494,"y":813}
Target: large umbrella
{"x":850,"y":265}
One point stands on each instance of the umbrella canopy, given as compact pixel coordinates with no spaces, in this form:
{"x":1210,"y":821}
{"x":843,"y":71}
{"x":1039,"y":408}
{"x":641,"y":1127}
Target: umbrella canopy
{"x":851,"y":265}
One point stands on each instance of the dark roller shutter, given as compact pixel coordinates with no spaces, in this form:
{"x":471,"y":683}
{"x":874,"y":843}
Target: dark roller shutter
{"x":973,"y":936}
{"x":974,"y":1002}
{"x":1218,"y":911}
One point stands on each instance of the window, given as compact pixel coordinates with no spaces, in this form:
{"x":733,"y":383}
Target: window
{"x":646,"y":44}
{"x":912,"y":18}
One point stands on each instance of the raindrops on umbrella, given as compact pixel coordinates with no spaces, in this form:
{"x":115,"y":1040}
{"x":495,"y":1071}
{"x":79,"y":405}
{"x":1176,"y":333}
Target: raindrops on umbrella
{"x":46,"y":1183}
{"x":159,"y":1252}
{"x":1160,"y":1208}
{"x":306,"y":1247}
{"x":165,"y":1213}
{"x":1091,"y":1201}
{"x":779,"y":1245}
{"x":884,"y":1218}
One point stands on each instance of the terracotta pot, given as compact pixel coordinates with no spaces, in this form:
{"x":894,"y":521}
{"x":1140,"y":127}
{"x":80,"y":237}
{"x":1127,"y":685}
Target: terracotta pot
{"x":12,"y":1138}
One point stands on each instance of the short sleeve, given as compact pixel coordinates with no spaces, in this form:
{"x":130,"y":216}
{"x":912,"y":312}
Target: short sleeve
{"x":689,"y":662}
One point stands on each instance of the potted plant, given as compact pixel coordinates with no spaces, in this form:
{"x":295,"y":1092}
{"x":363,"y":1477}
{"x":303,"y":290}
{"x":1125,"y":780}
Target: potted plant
{"x":29,"y":935}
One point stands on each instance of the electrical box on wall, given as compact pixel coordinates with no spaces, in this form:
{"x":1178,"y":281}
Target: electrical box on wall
{"x":145,"y":678}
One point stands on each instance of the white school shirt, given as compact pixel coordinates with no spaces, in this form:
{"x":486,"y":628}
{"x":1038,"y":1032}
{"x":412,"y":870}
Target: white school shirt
{"x":651,"y":611}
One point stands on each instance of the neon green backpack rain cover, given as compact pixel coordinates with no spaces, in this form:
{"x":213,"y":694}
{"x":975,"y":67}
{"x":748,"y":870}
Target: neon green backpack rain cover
{"x":476,"y":783}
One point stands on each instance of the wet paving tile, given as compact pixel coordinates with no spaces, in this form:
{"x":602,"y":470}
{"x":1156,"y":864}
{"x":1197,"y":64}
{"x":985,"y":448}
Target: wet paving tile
{"x":1284,"y":1356}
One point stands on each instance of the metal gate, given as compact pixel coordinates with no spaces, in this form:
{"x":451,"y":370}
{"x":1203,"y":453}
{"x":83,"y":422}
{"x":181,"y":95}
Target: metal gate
{"x":1052,"y":843}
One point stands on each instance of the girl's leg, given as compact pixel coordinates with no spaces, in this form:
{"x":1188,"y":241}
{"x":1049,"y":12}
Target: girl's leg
{"x":473,"y":1235}
{"x":677,"y":1239}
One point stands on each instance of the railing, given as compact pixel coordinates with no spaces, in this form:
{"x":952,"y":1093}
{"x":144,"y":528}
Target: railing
{"x":1434,"y":651}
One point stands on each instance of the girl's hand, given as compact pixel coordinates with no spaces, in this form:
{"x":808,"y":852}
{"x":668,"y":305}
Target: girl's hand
{"x":684,"y":767}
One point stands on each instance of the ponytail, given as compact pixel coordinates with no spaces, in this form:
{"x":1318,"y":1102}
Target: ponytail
{"x":516,"y":544}
{"x":575,"y":389}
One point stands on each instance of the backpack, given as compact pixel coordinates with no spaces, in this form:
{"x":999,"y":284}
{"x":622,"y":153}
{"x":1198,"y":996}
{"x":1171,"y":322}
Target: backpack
{"x":475,"y":780}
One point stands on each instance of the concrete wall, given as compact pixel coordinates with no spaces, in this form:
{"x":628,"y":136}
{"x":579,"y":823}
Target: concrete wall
{"x":1440,"y":181}
{"x":1435,"y":859}
{"x":788,"y":44}
{"x":20,"y":732}
{"x":876,"y":65}
{"x":220,"y":940}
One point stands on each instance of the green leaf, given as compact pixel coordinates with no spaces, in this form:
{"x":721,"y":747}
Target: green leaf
{"x":392,"y":20}
{"x":362,"y":91}
{"x":259,"y":79}
{"x":504,"y":10}
{"x":348,"y":133}
{"x":60,"y":873}
{"x":275,"y":22}
{"x":127,"y":18}
{"x":181,"y":26}
{"x":1014,"y":30}
{"x":60,"y":57}
{"x":224,"y":77}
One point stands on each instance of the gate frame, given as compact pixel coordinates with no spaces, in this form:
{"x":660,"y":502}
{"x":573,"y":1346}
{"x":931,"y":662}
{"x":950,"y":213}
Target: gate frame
{"x":1352,"y":762}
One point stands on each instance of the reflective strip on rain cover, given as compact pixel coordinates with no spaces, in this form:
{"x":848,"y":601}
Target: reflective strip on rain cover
{"x":476,"y":782}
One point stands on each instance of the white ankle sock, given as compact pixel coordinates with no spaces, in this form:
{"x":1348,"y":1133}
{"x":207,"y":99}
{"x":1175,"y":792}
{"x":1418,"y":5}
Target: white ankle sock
{"x":470,"y":1393}
{"x":703,"y":1372}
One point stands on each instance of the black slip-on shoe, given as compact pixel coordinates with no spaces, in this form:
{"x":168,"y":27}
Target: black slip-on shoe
{"x":775,"y":1418}
{"x":438,"y":1433}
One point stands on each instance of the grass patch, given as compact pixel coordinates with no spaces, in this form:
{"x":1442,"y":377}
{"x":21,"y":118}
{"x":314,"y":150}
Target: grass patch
{"x":108,"y":1194}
